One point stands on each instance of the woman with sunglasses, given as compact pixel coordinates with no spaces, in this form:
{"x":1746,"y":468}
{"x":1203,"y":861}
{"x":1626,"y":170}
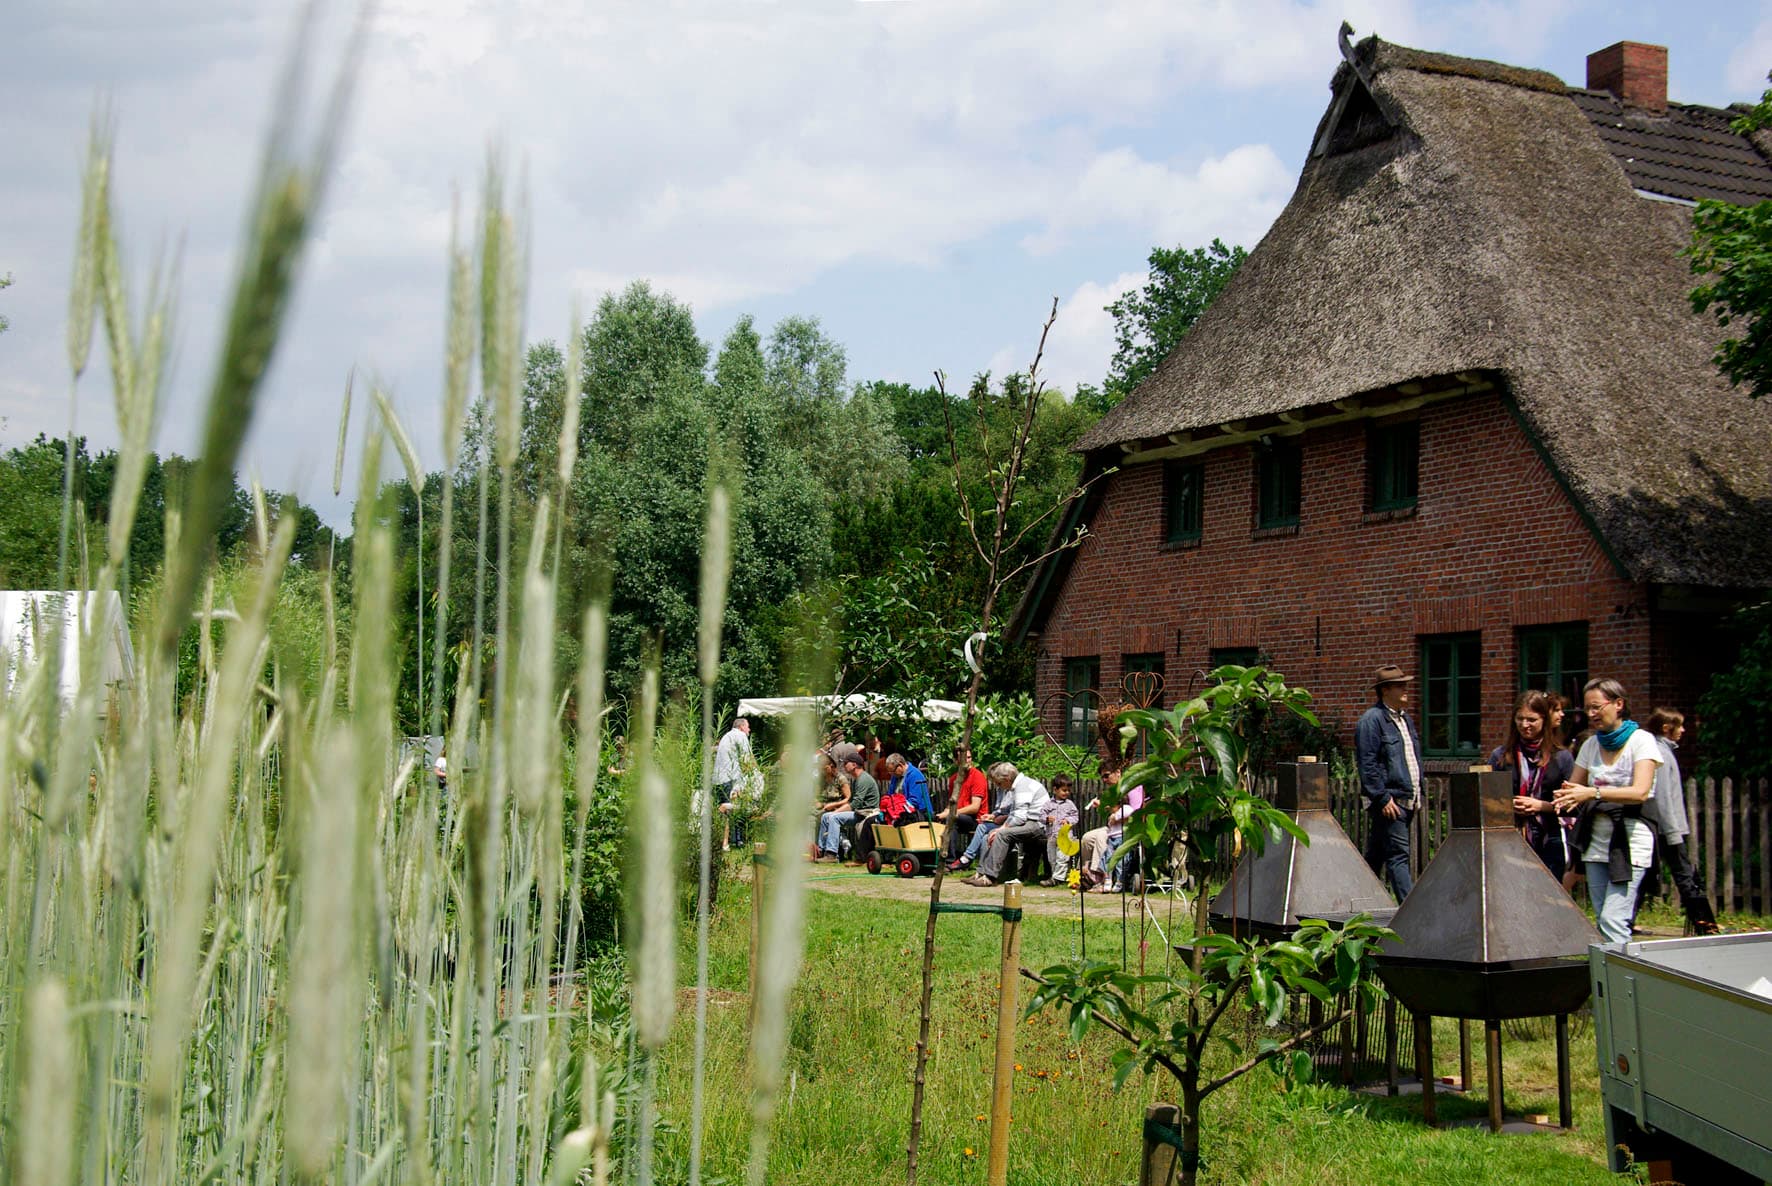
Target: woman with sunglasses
{"x":1614,"y":776}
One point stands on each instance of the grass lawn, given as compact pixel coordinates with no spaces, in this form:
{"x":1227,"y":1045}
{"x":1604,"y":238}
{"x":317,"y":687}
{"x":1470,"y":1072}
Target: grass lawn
{"x":845,"y":1112}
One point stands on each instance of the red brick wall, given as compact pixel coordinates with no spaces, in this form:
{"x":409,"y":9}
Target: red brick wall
{"x":1493,"y":545}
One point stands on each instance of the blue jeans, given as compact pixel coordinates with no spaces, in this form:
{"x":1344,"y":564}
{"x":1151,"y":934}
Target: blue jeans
{"x":1612,"y":903}
{"x":1387,"y":850}
{"x":830,"y":830}
{"x":984,"y":829}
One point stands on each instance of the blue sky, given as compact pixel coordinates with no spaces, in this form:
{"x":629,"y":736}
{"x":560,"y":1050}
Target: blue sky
{"x":925,"y":178}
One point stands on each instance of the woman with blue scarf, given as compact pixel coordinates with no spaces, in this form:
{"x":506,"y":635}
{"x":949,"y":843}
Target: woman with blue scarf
{"x":1614,"y":776}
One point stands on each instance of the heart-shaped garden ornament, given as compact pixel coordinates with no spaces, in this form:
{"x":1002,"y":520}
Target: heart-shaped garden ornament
{"x":1142,"y":689}
{"x":1080,"y":710}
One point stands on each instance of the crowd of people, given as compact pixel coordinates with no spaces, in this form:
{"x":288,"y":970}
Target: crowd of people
{"x":1596,"y":797}
{"x":998,"y":815}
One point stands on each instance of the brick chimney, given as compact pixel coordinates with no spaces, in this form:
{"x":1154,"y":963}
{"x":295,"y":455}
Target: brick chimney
{"x":1634,"y":72}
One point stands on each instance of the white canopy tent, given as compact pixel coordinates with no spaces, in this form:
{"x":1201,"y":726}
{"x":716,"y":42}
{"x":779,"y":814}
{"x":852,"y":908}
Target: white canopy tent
{"x":860,"y":704}
{"x":25,"y":615}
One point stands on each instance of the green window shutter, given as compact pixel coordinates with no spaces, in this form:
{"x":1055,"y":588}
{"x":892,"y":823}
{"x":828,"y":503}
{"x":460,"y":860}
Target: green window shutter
{"x":1554,"y":659}
{"x":1184,"y":489}
{"x":1081,"y":676}
{"x":1280,"y":477}
{"x":1393,"y":464}
{"x":1452,"y":695}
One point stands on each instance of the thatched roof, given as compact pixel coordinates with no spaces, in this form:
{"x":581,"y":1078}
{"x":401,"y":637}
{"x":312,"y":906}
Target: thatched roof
{"x":1492,"y":233}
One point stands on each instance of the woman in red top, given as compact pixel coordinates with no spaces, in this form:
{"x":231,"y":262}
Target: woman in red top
{"x":969,"y":792}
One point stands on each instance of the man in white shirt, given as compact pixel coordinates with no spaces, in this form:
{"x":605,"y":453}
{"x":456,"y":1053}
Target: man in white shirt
{"x":732,"y":763}
{"x":1020,"y":806}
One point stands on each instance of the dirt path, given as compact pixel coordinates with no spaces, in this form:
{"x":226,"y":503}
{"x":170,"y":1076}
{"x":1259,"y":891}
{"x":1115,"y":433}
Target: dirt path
{"x":1048,"y":903}
{"x":858,"y":882}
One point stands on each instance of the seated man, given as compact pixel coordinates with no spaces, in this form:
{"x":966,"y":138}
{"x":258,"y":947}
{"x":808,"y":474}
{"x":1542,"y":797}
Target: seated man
{"x":1022,"y":802}
{"x":862,"y":801}
{"x":913,"y":784}
{"x":966,"y":791}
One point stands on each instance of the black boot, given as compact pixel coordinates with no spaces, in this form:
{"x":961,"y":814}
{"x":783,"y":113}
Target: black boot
{"x":1699,"y":915}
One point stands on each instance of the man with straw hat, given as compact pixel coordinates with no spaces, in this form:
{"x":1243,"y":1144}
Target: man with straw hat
{"x":1387,"y":749}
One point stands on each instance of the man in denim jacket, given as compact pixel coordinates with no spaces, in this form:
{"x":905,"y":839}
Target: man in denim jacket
{"x":1387,"y":749}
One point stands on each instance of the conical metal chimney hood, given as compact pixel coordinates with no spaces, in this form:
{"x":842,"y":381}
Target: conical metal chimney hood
{"x":1271,"y":891}
{"x":1487,"y":932}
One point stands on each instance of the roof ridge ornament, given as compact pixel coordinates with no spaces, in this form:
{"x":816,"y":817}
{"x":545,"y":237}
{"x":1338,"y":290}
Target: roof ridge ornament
{"x":1362,"y":72}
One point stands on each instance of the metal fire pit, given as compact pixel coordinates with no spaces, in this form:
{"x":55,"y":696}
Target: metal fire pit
{"x":1271,"y":892}
{"x":1488,"y":934}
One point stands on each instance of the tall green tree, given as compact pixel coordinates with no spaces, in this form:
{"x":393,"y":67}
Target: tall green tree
{"x":1149,"y":322}
{"x":1732,"y":250}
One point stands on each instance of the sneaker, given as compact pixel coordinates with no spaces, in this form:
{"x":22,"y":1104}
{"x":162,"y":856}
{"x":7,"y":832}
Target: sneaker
{"x":1049,"y":882}
{"x":980,"y":880}
{"x":956,"y":866}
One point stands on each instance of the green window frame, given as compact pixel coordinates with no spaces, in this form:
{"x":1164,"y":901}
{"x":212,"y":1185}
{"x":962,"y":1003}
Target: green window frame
{"x":1452,"y":695}
{"x":1233,"y":656}
{"x":1279,"y":476}
{"x":1554,"y":659}
{"x":1081,"y":676}
{"x":1184,"y":498}
{"x":1393,"y":466}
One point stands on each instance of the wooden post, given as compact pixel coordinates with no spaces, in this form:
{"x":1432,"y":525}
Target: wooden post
{"x":1726,"y":850}
{"x":1003,"y":1078}
{"x":1565,"y":1104}
{"x":1744,"y":804}
{"x":759,"y":863}
{"x":1464,"y":1054}
{"x":1695,"y":841}
{"x":1710,"y":842}
{"x":1492,"y":1043}
{"x":1161,"y":1160}
{"x":1424,"y":1064}
{"x":1765,"y":848}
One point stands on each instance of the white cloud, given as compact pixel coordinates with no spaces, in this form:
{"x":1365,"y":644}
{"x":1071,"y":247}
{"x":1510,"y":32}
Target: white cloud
{"x":1234,"y":197}
{"x":726,"y":152}
{"x":1081,"y":343}
{"x":1746,"y":71}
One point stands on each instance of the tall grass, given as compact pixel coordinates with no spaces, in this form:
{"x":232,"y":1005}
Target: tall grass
{"x":244,"y":937}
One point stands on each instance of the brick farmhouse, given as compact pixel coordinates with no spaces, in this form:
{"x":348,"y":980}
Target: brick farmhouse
{"x":1455,"y":412}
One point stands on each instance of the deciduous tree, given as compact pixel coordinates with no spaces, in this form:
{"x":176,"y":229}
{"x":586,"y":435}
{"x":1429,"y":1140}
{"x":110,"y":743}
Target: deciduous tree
{"x":1149,"y":322}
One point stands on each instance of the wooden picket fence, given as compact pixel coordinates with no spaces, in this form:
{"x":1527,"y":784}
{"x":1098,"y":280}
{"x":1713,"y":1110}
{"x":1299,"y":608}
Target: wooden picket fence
{"x":1731,"y":840}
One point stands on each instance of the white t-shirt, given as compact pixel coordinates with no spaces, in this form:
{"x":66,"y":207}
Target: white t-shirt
{"x":1619,"y":772}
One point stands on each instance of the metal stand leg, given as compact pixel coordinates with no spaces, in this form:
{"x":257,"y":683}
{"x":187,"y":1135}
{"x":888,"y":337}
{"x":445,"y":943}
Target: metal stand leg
{"x":1424,"y":1064}
{"x":1347,"y":1051}
{"x":1390,"y":1046}
{"x":1464,"y":1054}
{"x":1492,"y":1041}
{"x":1565,"y":1106}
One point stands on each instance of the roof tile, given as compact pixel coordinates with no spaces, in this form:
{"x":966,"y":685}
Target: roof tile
{"x":1690,"y":152}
